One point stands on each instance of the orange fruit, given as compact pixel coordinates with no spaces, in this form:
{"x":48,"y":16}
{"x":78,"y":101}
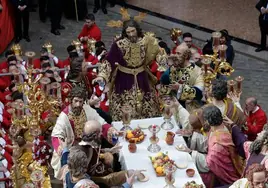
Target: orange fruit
{"x":159,"y":170}
{"x":130,"y":135}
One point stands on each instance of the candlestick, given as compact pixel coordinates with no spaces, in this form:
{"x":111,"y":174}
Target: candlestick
{"x":216,"y":40}
{"x":239,"y":81}
{"x":222,"y":52}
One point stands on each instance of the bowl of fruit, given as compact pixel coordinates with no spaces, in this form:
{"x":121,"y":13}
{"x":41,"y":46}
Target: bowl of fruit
{"x":159,"y":161}
{"x":193,"y":184}
{"x":136,"y":135}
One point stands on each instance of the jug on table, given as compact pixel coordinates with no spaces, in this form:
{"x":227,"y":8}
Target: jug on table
{"x":170,"y":138}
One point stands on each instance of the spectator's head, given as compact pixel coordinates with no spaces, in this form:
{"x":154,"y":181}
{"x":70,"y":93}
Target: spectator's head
{"x":13,"y":87}
{"x":164,"y":45}
{"x":90,"y":20}
{"x":9,"y":53}
{"x":257,"y":175}
{"x":131,"y":30}
{"x":212,"y":115}
{"x":219,"y":89}
{"x":196,"y":58}
{"x":251,"y":104}
{"x":12,"y":60}
{"x":77,"y":97}
{"x":77,"y":163}
{"x":91,"y":134}
{"x":13,"y":69}
{"x":188,"y":39}
{"x":17,"y":96}
{"x":45,"y":64}
{"x":50,"y":74}
{"x":72,"y":51}
{"x":99,"y":44}
{"x":224,"y":36}
{"x":260,"y":144}
{"x":43,"y":52}
{"x":102,"y":51}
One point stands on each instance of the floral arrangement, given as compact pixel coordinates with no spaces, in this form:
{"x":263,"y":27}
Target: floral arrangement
{"x":42,"y":152}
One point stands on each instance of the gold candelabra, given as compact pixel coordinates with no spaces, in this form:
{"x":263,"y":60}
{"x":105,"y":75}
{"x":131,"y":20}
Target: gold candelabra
{"x":27,"y":114}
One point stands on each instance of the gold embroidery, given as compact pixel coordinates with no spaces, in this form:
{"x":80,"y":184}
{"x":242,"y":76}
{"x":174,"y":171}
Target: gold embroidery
{"x":79,"y":122}
{"x":188,"y":93}
{"x":134,"y":53}
{"x":150,"y":104}
{"x":105,"y":70}
{"x":181,"y":75}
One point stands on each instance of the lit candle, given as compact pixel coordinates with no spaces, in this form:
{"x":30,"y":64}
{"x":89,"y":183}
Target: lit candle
{"x":239,"y":80}
{"x":222,"y":52}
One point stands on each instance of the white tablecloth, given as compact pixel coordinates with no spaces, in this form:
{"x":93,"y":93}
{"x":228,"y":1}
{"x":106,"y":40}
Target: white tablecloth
{"x":140,"y":159}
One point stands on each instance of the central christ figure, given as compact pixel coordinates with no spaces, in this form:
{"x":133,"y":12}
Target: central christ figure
{"x":127,"y":70}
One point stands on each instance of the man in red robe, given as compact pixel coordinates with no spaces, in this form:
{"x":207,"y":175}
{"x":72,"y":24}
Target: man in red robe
{"x":44,"y":52}
{"x":256,"y":118}
{"x":89,"y":31}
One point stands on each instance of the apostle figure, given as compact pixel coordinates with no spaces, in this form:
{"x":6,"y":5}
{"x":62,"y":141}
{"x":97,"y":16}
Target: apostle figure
{"x":184,"y":78}
{"x":256,"y":177}
{"x":127,"y":68}
{"x":70,"y":124}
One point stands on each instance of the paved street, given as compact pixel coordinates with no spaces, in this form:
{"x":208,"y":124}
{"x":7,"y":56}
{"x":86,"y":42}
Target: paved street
{"x":252,"y":66}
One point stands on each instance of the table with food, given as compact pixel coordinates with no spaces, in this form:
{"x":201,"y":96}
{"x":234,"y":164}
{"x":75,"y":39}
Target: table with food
{"x":148,"y":145}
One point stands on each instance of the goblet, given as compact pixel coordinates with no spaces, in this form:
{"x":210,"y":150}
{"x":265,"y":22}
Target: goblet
{"x":167,"y":113}
{"x":126,"y":117}
{"x":37,"y":178}
{"x":170,"y":170}
{"x":154,"y":147}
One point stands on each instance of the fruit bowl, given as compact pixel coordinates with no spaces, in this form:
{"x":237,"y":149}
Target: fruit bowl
{"x":136,"y":135}
{"x":159,"y":162}
{"x":192,"y":184}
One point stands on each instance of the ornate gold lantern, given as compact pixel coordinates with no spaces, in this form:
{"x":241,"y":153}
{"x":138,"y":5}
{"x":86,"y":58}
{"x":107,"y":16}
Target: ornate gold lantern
{"x":49,"y":47}
{"x":175,"y":33}
{"x":16,"y":48}
{"x":91,"y":45}
{"x":77,"y":44}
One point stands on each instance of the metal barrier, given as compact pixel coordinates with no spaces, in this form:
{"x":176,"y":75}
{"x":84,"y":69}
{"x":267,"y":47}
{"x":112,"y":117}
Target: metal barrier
{"x":40,"y":71}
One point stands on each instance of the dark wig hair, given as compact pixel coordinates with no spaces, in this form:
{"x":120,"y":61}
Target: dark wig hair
{"x":212,"y":115}
{"x":131,"y":23}
{"x":257,"y":145}
{"x":79,"y":92}
{"x":219,"y":89}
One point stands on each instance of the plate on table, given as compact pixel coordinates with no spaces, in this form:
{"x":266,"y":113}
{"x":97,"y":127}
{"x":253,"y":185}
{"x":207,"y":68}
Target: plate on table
{"x":137,"y":135}
{"x":144,"y":126}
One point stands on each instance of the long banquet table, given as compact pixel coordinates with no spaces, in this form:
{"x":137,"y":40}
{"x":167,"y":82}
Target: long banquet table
{"x":140,"y":159}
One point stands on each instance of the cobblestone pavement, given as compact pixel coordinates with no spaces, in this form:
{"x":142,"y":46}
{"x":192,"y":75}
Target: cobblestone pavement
{"x":253,"y":69}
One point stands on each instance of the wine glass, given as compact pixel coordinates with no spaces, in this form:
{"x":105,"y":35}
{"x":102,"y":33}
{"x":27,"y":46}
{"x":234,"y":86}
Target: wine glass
{"x":167,"y":113}
{"x":126,"y":117}
{"x":170,"y":172}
